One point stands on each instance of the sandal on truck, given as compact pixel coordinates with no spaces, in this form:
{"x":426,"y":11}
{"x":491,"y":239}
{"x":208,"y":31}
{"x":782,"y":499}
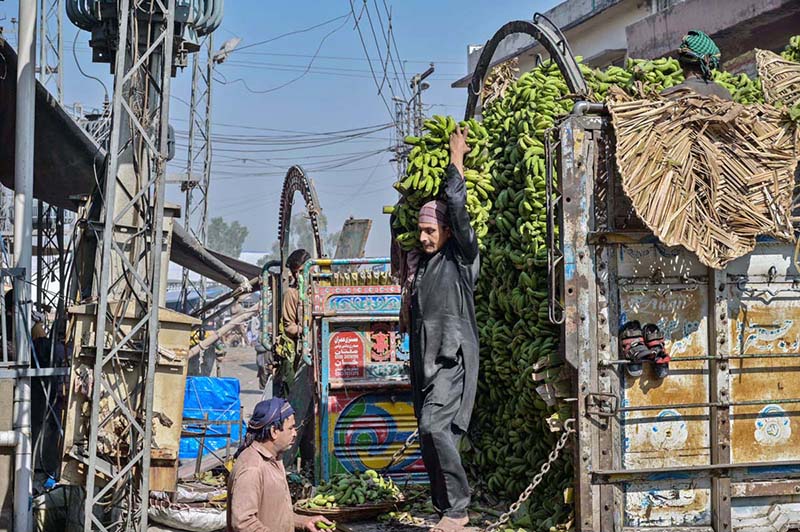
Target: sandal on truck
{"x":654,"y":340}
{"x":633,"y":348}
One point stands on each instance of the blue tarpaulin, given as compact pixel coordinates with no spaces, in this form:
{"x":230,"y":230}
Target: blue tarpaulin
{"x":213,"y":399}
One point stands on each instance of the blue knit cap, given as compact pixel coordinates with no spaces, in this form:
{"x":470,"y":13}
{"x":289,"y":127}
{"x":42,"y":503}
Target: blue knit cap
{"x":272,"y":412}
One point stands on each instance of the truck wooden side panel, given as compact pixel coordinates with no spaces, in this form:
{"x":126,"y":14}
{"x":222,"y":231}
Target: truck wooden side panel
{"x":715,"y":445}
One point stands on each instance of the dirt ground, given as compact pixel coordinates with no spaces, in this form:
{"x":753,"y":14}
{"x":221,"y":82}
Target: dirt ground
{"x":240,"y":363}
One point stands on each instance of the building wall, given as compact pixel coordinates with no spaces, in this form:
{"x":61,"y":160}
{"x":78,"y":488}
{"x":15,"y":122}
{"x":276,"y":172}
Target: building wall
{"x":736,"y":25}
{"x":588,"y":34}
{"x":653,"y":28}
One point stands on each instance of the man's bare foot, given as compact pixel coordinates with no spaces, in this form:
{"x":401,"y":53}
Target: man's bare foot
{"x":448,"y":524}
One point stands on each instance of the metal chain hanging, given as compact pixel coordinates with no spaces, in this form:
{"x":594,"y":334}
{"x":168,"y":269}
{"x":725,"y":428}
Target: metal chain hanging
{"x":402,"y":450}
{"x":569,"y":429}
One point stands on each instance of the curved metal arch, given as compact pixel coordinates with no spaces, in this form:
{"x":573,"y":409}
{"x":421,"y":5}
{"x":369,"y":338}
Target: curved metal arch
{"x":297,"y":181}
{"x":553,"y":40}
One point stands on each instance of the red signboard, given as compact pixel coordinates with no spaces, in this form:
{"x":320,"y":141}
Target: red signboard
{"x":347,"y":355}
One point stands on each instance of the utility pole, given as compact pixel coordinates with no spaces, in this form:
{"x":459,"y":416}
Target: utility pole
{"x":23,"y":212}
{"x":417,"y":86}
{"x":129,"y":232}
{"x":196,"y":188}
{"x":400,"y":151}
{"x":50,"y":222}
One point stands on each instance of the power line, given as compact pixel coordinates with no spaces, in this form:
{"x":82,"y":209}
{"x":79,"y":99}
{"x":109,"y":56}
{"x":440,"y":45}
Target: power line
{"x":86,"y":49}
{"x":321,"y":133}
{"x":388,"y":51}
{"x":322,"y":72}
{"x":394,"y":45}
{"x":310,"y":28}
{"x":80,"y":68}
{"x":321,"y":69}
{"x":385,"y":63}
{"x":250,"y":140}
{"x":302,"y":75}
{"x":369,"y":61}
{"x":332,"y":156}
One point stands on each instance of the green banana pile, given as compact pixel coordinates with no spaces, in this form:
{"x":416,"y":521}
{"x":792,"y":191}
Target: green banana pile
{"x":648,"y":78}
{"x":427,"y":163}
{"x":792,"y":50}
{"x":510,"y":434}
{"x":350,"y":489}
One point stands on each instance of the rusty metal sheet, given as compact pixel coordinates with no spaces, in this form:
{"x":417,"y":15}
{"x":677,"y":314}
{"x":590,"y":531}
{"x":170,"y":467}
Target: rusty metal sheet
{"x":648,"y":259}
{"x":768,"y":431}
{"x":667,"y":503}
{"x":666,"y":436}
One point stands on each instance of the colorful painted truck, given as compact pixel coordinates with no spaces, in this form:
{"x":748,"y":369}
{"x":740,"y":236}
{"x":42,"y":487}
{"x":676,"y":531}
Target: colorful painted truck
{"x":364,"y":412}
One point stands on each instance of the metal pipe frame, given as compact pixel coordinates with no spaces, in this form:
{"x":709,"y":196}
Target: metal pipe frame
{"x":195,"y":214}
{"x":23,"y":243}
{"x":130,"y":231}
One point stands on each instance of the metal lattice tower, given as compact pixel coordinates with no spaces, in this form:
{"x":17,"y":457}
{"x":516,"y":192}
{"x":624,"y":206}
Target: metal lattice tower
{"x":50,"y":276}
{"x":129,"y":232}
{"x":51,"y":45}
{"x":196,"y":184}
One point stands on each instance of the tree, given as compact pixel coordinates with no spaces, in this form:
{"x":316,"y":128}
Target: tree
{"x":226,"y":238}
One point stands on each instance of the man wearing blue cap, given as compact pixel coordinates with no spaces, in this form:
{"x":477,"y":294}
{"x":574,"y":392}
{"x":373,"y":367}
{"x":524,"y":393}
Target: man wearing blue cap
{"x":258,"y":493}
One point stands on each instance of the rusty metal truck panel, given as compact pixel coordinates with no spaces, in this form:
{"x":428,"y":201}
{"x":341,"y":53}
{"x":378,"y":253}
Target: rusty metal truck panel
{"x":715,"y":445}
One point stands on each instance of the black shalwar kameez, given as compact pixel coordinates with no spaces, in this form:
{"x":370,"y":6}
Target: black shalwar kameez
{"x":444,"y":351}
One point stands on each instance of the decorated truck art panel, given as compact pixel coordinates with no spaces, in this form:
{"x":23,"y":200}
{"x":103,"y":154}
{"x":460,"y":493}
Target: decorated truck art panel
{"x":364,"y":411}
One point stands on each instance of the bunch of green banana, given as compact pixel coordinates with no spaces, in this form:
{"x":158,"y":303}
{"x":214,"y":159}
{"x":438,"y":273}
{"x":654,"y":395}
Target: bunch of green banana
{"x":743,"y":89}
{"x":792,"y":50}
{"x":510,"y":435}
{"x":647,"y":78}
{"x":347,"y":489}
{"x":427,"y":163}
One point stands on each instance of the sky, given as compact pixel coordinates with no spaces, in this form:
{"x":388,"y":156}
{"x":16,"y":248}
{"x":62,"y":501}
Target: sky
{"x":253,"y":124}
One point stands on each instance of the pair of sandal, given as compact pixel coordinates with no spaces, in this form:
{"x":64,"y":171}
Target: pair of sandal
{"x":640,"y":344}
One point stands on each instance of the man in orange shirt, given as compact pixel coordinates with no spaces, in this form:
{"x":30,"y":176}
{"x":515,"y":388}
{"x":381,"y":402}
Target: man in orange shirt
{"x":258,"y":493}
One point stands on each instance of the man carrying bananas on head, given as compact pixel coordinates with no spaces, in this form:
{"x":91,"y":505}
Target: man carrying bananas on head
{"x":440,"y":311}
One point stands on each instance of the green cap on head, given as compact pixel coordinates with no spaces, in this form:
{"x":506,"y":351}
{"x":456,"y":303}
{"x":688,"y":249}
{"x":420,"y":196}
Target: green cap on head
{"x":697,"y":47}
